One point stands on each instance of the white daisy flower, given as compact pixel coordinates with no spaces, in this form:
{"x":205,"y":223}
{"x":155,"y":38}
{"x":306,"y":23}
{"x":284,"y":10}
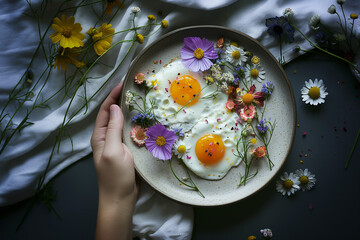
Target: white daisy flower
{"x":306,"y":179}
{"x":254,"y":72}
{"x":288,"y":184}
{"x":180,"y":149}
{"x":332,"y":9}
{"x":314,"y":92}
{"x":135,"y":9}
{"x":235,"y":55}
{"x":288,"y":12}
{"x":315,"y":22}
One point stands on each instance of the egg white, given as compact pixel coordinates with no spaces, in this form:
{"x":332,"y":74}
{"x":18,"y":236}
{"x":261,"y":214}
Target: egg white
{"x":219,"y":122}
{"x":167,"y":111}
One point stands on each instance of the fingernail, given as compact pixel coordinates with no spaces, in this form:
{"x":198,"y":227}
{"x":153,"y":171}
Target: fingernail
{"x":114,"y":111}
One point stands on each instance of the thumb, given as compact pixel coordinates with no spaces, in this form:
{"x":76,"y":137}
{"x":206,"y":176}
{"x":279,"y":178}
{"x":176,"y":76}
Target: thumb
{"x":115,"y":127}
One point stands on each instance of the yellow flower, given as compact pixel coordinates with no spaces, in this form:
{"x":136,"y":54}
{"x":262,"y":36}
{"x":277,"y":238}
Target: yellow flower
{"x":164,"y":23}
{"x":67,"y":32}
{"x":140,"y":38}
{"x":151,"y":17}
{"x":354,"y":16}
{"x":91,"y":31}
{"x":251,"y":237}
{"x":66,"y":56}
{"x":102,"y":43}
{"x":110,"y":4}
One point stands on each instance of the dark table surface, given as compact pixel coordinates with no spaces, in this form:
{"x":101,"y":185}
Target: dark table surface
{"x":335,"y":214}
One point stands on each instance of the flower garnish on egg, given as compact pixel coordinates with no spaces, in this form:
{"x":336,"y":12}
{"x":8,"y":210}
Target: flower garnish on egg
{"x":212,"y":144}
{"x":181,"y":96}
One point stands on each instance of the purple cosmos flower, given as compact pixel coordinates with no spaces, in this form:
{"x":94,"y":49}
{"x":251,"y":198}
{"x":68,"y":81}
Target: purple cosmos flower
{"x":279,"y":26}
{"x":196,"y":53}
{"x":160,"y":141}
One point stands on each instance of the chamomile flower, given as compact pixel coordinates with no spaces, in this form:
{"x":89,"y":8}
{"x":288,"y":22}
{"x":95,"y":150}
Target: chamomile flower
{"x":306,"y":179}
{"x":288,"y":184}
{"x":180,"y":149}
{"x":315,"y":22}
{"x":314,"y":92}
{"x":255,"y":72}
{"x":235,"y":55}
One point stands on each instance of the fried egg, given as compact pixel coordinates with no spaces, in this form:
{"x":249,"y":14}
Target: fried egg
{"x":179,"y":97}
{"x":213,"y":142}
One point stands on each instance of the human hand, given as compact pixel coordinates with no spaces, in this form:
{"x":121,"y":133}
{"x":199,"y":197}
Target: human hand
{"x":114,"y":163}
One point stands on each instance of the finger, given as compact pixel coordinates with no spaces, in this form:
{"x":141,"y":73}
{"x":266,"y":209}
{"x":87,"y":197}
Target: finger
{"x":102,"y":118}
{"x":114,"y":130}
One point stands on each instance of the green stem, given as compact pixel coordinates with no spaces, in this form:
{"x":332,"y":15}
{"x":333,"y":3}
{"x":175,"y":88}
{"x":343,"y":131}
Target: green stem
{"x":342,"y":9}
{"x":78,"y":6}
{"x":353,"y":148}
{"x":18,"y":109}
{"x":185,"y":184}
{"x":323,"y":50}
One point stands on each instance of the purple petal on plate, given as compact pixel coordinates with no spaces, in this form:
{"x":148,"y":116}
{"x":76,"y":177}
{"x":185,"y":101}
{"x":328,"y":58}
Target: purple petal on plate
{"x":170,"y":135}
{"x":207,"y":45}
{"x":197,"y":42}
{"x":210,"y":54}
{"x":189,"y":63}
{"x":185,"y":54}
{"x":206,"y":64}
{"x":195,"y":66}
{"x":189,"y":43}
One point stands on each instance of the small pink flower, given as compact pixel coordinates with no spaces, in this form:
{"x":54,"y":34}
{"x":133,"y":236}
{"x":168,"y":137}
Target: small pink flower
{"x":247,"y":112}
{"x":139,"y":78}
{"x":138,"y":135}
{"x":230,"y":105}
{"x":188,"y":157}
{"x":259,"y":152}
{"x":220,"y":42}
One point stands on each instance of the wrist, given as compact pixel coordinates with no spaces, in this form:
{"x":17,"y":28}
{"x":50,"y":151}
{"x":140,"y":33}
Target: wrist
{"x":111,"y":200}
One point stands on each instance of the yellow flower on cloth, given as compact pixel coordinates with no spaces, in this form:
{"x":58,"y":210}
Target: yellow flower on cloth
{"x":67,"y":32}
{"x":102,"y":43}
{"x":67,"y":56}
{"x":112,"y":3}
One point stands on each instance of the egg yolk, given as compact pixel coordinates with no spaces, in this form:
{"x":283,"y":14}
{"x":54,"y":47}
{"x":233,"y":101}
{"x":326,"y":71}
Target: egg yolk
{"x":210,"y":149}
{"x":185,"y":90}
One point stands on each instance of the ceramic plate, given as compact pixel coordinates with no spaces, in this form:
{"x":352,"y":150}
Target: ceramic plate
{"x":280,"y":107}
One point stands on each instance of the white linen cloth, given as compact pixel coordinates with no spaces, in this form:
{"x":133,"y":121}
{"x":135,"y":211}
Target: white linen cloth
{"x":26,"y":156}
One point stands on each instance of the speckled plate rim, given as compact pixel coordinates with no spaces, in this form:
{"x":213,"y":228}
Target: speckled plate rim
{"x":266,"y":51}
